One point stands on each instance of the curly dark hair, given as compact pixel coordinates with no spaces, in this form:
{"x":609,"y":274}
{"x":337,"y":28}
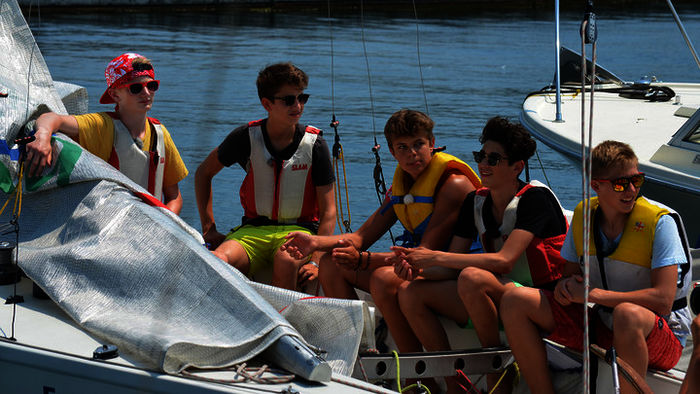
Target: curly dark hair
{"x":273,"y":77}
{"x":516,"y":141}
{"x":407,"y":122}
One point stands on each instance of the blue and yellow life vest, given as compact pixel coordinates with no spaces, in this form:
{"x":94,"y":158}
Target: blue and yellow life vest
{"x":414,"y":207}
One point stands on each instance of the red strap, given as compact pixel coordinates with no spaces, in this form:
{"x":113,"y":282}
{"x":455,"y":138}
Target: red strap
{"x":312,"y":130}
{"x":152,"y":166}
{"x":113,"y":158}
{"x":150,"y":200}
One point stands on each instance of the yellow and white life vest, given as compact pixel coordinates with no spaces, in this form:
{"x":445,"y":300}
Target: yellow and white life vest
{"x":142,"y":167}
{"x":628,"y":267}
{"x":414,"y":207}
{"x":280,"y":191}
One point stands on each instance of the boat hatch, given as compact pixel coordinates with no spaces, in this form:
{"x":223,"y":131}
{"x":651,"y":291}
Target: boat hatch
{"x":688,"y":136}
{"x":683,"y":151}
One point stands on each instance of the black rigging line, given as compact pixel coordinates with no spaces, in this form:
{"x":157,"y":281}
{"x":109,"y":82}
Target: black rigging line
{"x":379,"y":183}
{"x":420,"y":65}
{"x":338,"y":153}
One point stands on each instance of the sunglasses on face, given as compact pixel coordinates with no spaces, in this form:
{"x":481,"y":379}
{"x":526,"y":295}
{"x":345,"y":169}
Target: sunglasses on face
{"x":621,"y":184}
{"x":291,"y":99}
{"x":137,"y":87}
{"x":492,"y":158}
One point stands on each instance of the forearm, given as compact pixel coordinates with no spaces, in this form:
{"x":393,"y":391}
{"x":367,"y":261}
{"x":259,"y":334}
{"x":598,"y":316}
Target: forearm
{"x":203,"y":194}
{"x":371,"y":260}
{"x":650,"y":298}
{"x":50,"y":122}
{"x":493,"y":262}
{"x":175,"y":204}
{"x":326,"y":227}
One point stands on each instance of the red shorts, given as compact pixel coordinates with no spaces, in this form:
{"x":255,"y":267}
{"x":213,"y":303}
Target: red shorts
{"x":663,"y":346}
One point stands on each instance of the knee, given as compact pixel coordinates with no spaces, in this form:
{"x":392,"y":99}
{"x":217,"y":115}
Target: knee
{"x":383,"y":285}
{"x":515,"y":302}
{"x":284,"y":262}
{"x":628,"y":316}
{"x":471,"y":280}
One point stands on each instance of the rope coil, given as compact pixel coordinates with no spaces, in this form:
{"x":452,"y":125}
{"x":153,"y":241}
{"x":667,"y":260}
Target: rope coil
{"x":244,"y":374}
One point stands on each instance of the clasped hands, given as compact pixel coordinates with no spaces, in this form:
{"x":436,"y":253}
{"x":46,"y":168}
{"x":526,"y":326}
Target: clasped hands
{"x":409,"y":263}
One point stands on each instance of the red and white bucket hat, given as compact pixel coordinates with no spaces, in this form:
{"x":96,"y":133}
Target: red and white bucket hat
{"x":121,"y":69}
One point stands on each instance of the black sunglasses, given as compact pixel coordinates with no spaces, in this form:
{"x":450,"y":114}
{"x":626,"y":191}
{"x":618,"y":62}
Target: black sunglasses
{"x":621,"y":184}
{"x":492,"y":158}
{"x":137,"y":87}
{"x":291,"y":99}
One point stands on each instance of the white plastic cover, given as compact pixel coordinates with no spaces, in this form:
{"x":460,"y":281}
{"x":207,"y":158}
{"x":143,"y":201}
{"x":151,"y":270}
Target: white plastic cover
{"x":133,"y":274}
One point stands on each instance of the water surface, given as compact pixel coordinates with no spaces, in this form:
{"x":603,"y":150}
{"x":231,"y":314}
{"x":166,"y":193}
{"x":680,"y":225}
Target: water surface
{"x":473,"y":67}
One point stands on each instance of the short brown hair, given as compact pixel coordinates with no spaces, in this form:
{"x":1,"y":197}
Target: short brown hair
{"x":407,"y":122}
{"x":609,"y":155}
{"x":273,"y":77}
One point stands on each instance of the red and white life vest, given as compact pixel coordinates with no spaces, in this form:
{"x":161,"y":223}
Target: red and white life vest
{"x":281,"y":191}
{"x":144,"y":168}
{"x":541,"y":263}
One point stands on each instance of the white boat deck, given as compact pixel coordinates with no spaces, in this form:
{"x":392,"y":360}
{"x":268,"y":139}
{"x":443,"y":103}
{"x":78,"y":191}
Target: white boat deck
{"x":52,"y":352}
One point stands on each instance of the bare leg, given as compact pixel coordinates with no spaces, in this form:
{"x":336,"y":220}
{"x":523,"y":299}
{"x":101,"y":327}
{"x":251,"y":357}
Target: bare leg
{"x":285,"y":269}
{"x":341,"y":283}
{"x":481,"y":292}
{"x":233,"y":253}
{"x":421,"y":302}
{"x":634,"y":323}
{"x":384,"y":287}
{"x":524,"y":312}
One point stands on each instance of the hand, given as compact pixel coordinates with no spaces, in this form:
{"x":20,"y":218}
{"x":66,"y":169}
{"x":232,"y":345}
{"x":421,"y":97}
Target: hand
{"x":561,"y":293}
{"x":213,"y":238}
{"x":299,"y":244}
{"x":39,"y":153}
{"x":405,"y":271}
{"x":419,"y":258}
{"x":571,"y":289}
{"x":346,"y":255}
{"x":307,"y":273}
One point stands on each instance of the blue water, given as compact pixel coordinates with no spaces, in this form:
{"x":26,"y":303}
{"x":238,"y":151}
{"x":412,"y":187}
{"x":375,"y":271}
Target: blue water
{"x":474,"y":67}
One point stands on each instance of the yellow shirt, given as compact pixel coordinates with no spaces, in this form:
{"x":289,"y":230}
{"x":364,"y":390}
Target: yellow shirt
{"x":96,"y":134}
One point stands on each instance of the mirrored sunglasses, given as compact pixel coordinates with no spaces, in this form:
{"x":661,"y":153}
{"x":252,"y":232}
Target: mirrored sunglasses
{"x":492,"y":158}
{"x":291,"y":99}
{"x":621,"y":184}
{"x":137,"y":87}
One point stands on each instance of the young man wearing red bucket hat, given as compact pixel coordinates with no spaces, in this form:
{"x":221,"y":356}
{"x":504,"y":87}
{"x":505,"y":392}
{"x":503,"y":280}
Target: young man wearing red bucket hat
{"x":137,"y":145}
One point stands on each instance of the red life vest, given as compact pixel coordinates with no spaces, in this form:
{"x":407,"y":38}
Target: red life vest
{"x":541,"y":263}
{"x":144,"y":168}
{"x":281,"y":191}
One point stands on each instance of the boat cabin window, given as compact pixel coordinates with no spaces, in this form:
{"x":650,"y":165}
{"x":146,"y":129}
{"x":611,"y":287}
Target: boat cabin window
{"x":694,"y":136}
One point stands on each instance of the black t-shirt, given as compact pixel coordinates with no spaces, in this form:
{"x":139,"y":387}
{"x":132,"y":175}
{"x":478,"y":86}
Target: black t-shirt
{"x":236,"y":149}
{"x":538,"y":212}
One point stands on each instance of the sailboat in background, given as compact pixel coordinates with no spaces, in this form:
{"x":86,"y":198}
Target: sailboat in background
{"x":660,"y":121}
